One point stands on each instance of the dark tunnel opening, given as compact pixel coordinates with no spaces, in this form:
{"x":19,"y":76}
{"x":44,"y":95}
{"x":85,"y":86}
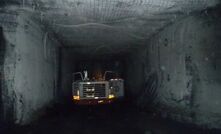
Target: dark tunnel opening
{"x":75,"y":60}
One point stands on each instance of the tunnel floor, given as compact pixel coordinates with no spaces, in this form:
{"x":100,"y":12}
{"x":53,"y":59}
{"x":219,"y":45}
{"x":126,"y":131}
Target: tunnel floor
{"x":117,"y":118}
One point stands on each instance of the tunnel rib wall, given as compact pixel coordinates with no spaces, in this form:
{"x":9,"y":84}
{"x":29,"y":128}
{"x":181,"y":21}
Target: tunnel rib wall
{"x":29,"y":68}
{"x":186,"y":60}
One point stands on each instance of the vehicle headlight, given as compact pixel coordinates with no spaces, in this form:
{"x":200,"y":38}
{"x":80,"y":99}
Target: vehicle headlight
{"x":76,"y":97}
{"x":111,"y":96}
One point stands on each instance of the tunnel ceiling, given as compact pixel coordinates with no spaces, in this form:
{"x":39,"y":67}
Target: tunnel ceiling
{"x":108,"y":23}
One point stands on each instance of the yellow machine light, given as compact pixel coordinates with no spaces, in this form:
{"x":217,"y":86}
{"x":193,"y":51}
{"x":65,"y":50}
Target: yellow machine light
{"x":111,"y":96}
{"x":76,"y":97}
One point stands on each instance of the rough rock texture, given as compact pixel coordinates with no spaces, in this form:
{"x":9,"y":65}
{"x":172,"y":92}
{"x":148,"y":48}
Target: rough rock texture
{"x":178,"y":71}
{"x":186,"y":60}
{"x":29,"y":68}
{"x":125,"y":23}
{"x":9,"y":25}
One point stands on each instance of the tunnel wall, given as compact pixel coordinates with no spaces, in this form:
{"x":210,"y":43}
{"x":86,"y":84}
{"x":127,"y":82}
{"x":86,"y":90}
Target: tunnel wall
{"x":185,"y":59}
{"x":9,"y":26}
{"x":29,"y":68}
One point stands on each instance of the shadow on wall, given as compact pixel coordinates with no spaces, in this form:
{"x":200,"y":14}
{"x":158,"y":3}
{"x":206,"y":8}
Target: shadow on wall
{"x":2,"y":55}
{"x":6,"y":101}
{"x":149,"y":92}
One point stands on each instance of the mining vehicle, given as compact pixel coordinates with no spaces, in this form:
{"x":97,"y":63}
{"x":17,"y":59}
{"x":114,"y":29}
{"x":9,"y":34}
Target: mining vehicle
{"x":98,"y":90}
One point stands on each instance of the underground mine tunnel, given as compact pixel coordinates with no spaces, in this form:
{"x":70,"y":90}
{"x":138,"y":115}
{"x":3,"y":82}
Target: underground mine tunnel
{"x":165,"y":52}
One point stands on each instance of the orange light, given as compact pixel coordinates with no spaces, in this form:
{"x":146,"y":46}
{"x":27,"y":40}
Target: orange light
{"x":76,"y":97}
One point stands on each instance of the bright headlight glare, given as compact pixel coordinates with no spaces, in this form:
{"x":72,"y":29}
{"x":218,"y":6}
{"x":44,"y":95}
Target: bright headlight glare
{"x":76,"y":97}
{"x":111,"y":96}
